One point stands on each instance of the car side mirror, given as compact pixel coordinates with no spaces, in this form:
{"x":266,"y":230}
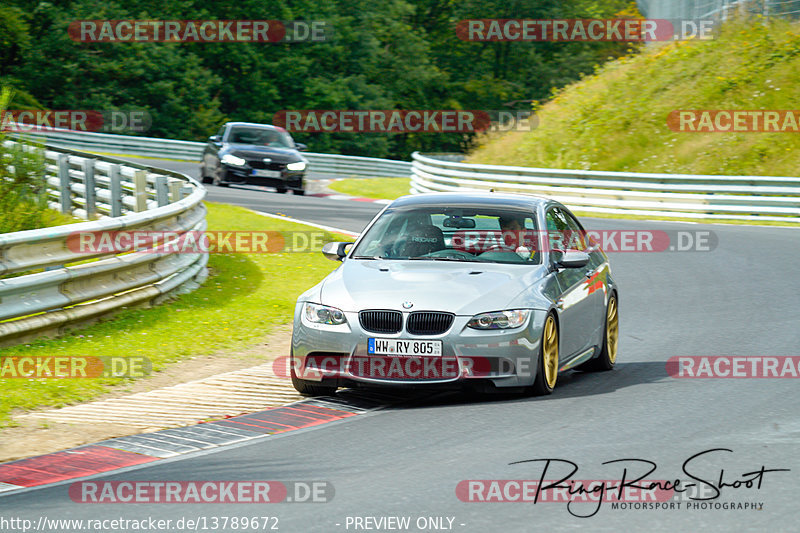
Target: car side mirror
{"x":335,"y":251}
{"x":214,"y":138}
{"x":574,"y":259}
{"x":301,"y":147}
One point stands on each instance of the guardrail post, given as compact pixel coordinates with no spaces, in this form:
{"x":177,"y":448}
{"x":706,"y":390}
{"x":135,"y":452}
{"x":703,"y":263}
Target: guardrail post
{"x":175,"y":190}
{"x":140,"y":190}
{"x":65,"y":190}
{"x":162,"y":191}
{"x":91,"y":192}
{"x":115,"y":187}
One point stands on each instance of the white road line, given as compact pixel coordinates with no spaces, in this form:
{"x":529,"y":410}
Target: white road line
{"x":307,"y":223}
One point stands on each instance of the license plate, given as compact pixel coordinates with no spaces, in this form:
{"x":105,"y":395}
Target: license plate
{"x":403,"y":347}
{"x":260,"y":173}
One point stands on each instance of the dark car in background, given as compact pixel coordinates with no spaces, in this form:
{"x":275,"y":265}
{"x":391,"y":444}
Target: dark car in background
{"x":254,"y":154}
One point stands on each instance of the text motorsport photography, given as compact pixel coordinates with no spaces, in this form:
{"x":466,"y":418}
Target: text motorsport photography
{"x":702,"y":488}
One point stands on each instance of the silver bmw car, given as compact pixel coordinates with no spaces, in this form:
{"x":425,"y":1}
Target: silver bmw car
{"x":491,"y":292}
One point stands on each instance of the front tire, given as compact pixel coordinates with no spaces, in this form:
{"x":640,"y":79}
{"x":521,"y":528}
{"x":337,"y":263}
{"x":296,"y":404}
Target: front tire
{"x":311,"y":388}
{"x":219,"y":177}
{"x":203,"y":177}
{"x":547,"y":371}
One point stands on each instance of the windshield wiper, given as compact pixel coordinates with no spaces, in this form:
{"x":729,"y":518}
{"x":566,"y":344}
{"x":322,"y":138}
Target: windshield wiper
{"x":371,"y":257}
{"x":458,"y":259}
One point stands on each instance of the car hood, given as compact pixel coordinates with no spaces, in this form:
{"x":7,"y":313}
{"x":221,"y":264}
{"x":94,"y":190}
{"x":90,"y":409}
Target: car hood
{"x":460,"y":288}
{"x":254,"y":151}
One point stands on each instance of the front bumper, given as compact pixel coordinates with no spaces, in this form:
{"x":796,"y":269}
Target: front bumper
{"x":338,"y":355}
{"x":288,"y":179}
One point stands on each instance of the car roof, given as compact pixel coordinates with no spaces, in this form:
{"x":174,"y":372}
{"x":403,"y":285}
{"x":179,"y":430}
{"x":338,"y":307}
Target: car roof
{"x":499,"y":199}
{"x":266,"y":126}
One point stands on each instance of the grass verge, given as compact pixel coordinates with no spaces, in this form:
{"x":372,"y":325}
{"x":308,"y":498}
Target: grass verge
{"x":379,"y":188}
{"x":616,"y":119}
{"x":243,"y":298}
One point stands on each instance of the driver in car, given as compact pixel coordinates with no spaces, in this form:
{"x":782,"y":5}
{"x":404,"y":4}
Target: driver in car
{"x":514,"y":236}
{"x":511,"y":228}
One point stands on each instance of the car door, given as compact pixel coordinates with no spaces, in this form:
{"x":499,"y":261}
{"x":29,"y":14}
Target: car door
{"x":596,"y":274}
{"x":576,"y":308}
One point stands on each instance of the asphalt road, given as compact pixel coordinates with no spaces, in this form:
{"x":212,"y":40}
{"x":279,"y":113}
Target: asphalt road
{"x":352,"y":216}
{"x":741,"y":299}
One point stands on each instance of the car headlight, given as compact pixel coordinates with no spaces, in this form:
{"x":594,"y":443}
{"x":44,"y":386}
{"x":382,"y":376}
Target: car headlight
{"x":323,"y":314}
{"x":500,"y":320}
{"x":300,"y":165}
{"x":230,"y":159}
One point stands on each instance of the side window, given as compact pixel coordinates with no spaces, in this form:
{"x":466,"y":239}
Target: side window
{"x":577,"y":236}
{"x":584,"y":243}
{"x":557,"y":230}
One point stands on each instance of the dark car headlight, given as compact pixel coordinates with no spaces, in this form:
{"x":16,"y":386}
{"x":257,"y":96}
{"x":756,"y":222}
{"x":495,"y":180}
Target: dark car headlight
{"x":323,"y":314}
{"x":296,"y":167}
{"x":230,"y":159}
{"x":510,"y":319}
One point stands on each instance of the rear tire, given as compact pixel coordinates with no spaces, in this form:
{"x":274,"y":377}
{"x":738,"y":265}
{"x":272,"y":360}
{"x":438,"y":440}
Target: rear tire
{"x":608,"y":353}
{"x":299,"y":192}
{"x":311,"y":388}
{"x":547,"y":371}
{"x":280,"y":190}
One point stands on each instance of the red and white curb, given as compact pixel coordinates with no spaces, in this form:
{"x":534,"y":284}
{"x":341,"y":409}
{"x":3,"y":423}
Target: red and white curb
{"x":122,"y":452}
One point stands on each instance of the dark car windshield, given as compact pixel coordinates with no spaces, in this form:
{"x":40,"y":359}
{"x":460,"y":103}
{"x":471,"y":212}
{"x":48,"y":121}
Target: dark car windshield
{"x":260,"y":136}
{"x":488,"y":233}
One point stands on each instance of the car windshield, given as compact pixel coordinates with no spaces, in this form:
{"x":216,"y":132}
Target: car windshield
{"x":488,"y":233}
{"x":260,"y":136}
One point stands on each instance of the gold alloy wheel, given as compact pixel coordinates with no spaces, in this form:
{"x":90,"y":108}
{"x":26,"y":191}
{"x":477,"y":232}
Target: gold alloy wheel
{"x":550,"y":351}
{"x":612,"y":330}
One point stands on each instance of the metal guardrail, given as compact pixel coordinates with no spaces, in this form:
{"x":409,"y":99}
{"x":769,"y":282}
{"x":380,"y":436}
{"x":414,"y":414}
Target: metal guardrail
{"x":746,"y":198}
{"x":329,"y":166}
{"x":750,"y":198}
{"x":53,"y":287}
{"x":119,"y":144}
{"x":320,"y":166}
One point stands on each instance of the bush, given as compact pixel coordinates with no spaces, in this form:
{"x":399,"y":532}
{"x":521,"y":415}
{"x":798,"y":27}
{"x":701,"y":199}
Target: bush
{"x":23,"y":188}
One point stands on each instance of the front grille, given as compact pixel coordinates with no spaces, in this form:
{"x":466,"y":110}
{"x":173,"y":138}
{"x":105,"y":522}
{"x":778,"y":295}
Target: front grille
{"x":381,"y":321}
{"x":257,"y":163}
{"x":429,"y":323}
